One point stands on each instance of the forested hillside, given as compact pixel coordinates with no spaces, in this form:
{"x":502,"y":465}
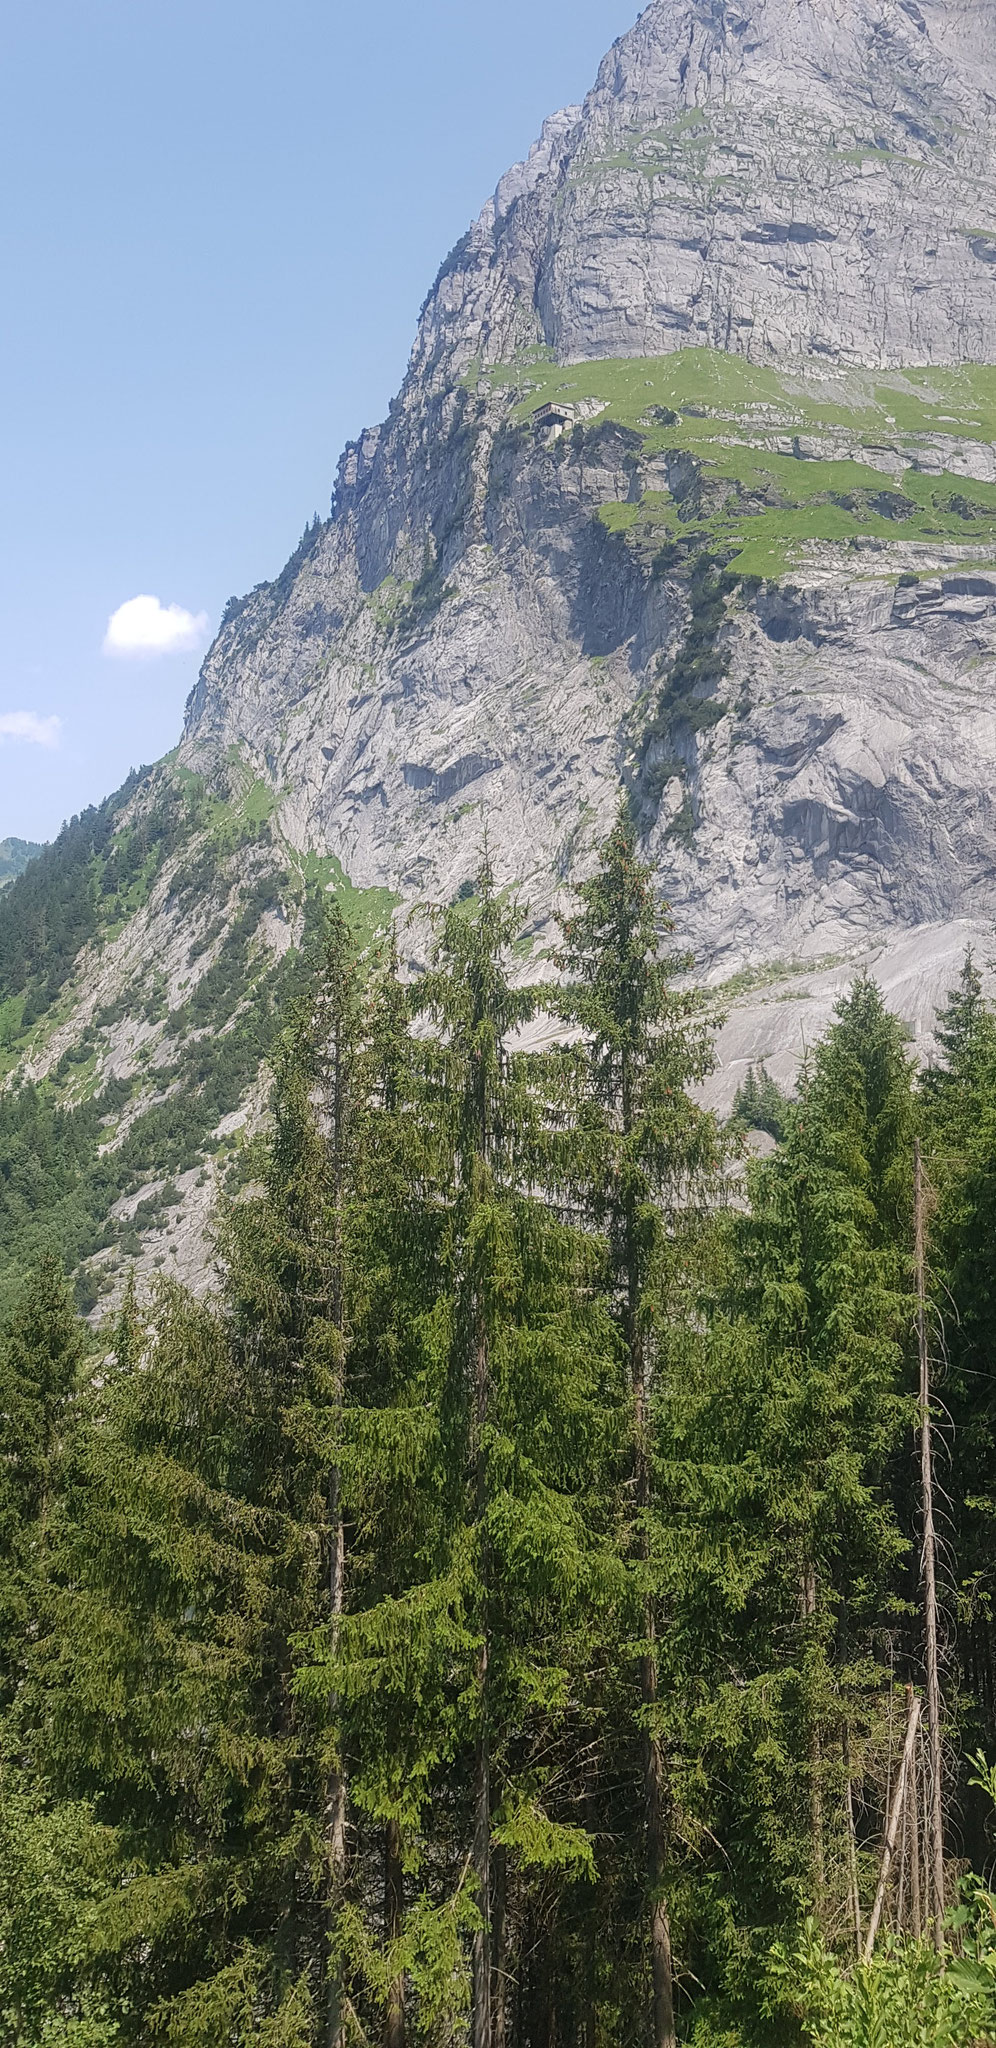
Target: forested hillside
{"x":144,"y":958}
{"x":501,"y":1613}
{"x":14,"y":857}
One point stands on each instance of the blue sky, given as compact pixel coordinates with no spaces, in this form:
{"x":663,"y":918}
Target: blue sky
{"x":220,"y":220}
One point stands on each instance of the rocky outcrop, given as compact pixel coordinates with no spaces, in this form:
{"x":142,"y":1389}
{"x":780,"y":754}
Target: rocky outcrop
{"x":767,"y":176}
{"x":483,"y":632}
{"x":690,"y":489}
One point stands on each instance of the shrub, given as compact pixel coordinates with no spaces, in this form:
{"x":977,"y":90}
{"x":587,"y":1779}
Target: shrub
{"x":907,"y":1996}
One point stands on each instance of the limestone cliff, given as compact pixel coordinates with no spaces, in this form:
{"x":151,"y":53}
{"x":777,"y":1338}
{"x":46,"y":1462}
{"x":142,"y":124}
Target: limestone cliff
{"x":767,"y":246}
{"x":690,"y":487}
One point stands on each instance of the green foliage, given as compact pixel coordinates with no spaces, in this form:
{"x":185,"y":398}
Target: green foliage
{"x":14,"y":857}
{"x":908,"y":1996}
{"x":40,"y":1352}
{"x":758,"y":508}
{"x":960,"y":1103}
{"x":688,"y":703}
{"x":760,"y":1105}
{"x":804,"y":1415}
{"x":59,"y":1183}
{"x":95,"y":872}
{"x":56,"y":1864}
{"x":507,"y":1582}
{"x":427,"y":596}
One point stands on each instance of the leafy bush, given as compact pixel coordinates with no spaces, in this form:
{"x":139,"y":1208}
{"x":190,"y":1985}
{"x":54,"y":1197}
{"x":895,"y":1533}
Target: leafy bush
{"x":907,"y":1996}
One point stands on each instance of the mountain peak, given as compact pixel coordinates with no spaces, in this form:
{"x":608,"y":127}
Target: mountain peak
{"x":807,"y":178}
{"x":690,"y":488}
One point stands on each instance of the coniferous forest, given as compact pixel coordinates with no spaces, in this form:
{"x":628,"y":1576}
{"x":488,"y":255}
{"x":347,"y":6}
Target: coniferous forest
{"x":545,"y":1597}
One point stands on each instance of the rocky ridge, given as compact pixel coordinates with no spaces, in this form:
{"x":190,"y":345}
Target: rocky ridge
{"x":690,"y":488}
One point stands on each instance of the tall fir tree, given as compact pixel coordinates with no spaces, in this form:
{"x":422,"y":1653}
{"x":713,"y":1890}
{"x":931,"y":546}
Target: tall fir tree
{"x":201,"y":1533}
{"x":817,"y":1381}
{"x":468,"y":1658}
{"x":41,"y":1349}
{"x":652,"y":1165}
{"x":960,"y":1104}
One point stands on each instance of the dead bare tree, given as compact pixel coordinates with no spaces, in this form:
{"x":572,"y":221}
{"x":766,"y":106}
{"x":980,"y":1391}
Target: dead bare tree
{"x":895,"y":1813}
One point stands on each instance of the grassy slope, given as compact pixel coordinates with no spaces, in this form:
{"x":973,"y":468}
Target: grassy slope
{"x":739,"y":419}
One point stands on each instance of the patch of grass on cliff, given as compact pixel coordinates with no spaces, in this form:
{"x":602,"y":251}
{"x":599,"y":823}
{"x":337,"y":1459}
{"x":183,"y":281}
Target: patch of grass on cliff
{"x":819,"y":501}
{"x":771,"y":974}
{"x":797,"y":480}
{"x":228,"y":820}
{"x":679,"y":146}
{"x":369,"y":911}
{"x":715,"y":393}
{"x":630,"y":386}
{"x":389,"y":601}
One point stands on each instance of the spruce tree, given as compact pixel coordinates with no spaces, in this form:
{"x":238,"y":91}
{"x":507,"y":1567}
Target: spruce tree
{"x":956,"y":1088}
{"x":56,"y":1869}
{"x":490,"y":1420}
{"x":652,"y":1160}
{"x":41,"y":1350}
{"x":53,"y":1858}
{"x":759,"y":1104}
{"x":960,"y":1104}
{"x":201,"y":1535}
{"x":291,"y":1285}
{"x":816,"y":1362}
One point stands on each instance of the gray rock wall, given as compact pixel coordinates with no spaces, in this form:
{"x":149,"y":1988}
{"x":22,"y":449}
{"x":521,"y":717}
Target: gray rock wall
{"x":803,"y":184}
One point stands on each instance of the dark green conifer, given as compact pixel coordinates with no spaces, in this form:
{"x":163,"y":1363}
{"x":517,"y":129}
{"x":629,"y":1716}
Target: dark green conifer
{"x":960,"y":1102}
{"x":202,"y":1535}
{"x":759,"y":1104}
{"x":489,"y":1402}
{"x":40,"y":1354}
{"x":652,"y":1160}
{"x":956,"y":1088}
{"x":815,"y":1369}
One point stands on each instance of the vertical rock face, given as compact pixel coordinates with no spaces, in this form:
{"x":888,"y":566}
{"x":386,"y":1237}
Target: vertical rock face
{"x":737,"y":310}
{"x":813,"y":176}
{"x":690,"y":488}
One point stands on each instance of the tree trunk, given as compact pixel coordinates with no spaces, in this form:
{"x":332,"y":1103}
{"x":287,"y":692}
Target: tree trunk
{"x":807,"y":1603}
{"x":915,"y":1892}
{"x":654,"y":1768}
{"x":662,"y":1966}
{"x":936,"y":1765}
{"x":854,"y":1893}
{"x":481,"y":1952}
{"x":334,"y":1819}
{"x":499,"y":1946}
{"x":892,"y":1828}
{"x":394,"y":1902}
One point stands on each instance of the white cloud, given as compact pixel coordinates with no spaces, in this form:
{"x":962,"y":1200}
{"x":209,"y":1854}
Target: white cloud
{"x":26,"y":725}
{"x":145,"y":627}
